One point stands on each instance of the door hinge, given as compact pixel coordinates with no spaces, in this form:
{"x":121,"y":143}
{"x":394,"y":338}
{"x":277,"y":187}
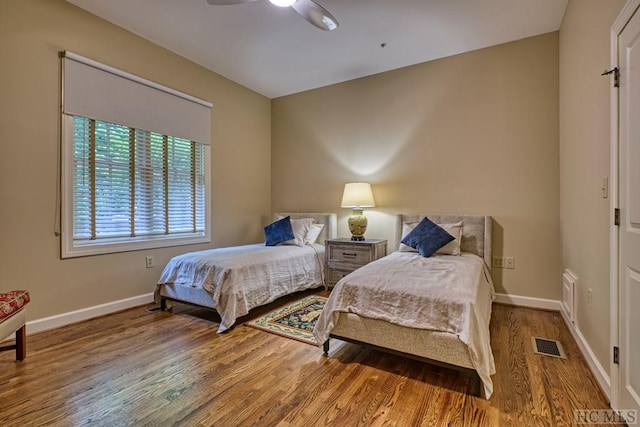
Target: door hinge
{"x":616,"y":216}
{"x":616,"y":355}
{"x":616,"y":76}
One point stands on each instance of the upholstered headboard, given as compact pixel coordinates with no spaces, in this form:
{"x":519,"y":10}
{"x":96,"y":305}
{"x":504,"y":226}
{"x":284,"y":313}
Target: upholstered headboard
{"x":476,"y":231}
{"x":330,"y":221}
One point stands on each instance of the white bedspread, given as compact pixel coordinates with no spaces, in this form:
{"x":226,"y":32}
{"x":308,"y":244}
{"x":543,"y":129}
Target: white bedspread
{"x":240,"y":278}
{"x":443,"y":293}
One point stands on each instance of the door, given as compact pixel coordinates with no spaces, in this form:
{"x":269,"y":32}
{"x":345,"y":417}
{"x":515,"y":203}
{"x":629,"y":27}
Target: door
{"x":629,"y":230}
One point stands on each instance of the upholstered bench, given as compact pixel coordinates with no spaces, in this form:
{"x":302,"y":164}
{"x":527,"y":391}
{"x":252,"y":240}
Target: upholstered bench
{"x":13,"y":319}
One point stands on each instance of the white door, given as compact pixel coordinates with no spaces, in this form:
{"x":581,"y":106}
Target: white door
{"x":629,"y":230}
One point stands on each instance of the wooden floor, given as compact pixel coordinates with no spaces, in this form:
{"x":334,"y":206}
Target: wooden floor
{"x":141,"y":368}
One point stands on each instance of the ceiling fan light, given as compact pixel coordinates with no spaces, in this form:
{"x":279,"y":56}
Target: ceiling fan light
{"x":283,"y":3}
{"x":329,"y":23}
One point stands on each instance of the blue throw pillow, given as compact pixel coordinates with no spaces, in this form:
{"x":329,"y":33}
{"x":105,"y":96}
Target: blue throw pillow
{"x":427,"y":238}
{"x":278,"y":232}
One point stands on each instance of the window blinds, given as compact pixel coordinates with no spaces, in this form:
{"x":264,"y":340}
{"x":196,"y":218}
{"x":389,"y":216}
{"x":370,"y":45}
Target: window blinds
{"x":101,"y":92}
{"x":134,"y":183}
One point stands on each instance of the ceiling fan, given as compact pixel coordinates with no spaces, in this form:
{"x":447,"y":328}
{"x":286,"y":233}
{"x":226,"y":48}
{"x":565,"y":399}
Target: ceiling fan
{"x":308,"y":9}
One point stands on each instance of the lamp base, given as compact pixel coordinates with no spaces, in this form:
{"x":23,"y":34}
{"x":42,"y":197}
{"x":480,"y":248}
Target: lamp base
{"x":357,"y":224}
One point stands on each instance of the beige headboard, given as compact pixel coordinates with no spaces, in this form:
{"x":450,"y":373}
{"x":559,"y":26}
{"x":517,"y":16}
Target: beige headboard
{"x":330,"y":221}
{"x":476,"y":231}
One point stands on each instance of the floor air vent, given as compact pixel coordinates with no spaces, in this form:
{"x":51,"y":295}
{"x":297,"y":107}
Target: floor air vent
{"x":548,"y":347}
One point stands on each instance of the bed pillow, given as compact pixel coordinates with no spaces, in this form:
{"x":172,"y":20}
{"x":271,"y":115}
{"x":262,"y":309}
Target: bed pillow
{"x":407,"y":227}
{"x":278,"y":232}
{"x":300,"y":229}
{"x":314,"y":233}
{"x":427,"y":237}
{"x":451,"y":248}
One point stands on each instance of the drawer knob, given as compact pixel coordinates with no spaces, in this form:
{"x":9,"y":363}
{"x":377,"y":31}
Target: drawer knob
{"x":349,"y":254}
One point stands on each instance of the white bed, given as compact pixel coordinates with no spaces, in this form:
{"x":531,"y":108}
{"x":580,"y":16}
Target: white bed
{"x":400,"y":304}
{"x":234,"y":280}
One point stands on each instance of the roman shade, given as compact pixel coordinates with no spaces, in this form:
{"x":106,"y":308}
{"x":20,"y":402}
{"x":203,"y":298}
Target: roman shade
{"x":94,"y":90}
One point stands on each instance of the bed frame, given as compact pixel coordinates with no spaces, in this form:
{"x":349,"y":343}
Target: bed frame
{"x":438,"y":348}
{"x":201,"y":298}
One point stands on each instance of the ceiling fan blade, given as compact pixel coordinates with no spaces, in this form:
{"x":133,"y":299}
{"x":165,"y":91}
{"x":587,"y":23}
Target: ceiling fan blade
{"x":315,"y":14}
{"x":226,"y":2}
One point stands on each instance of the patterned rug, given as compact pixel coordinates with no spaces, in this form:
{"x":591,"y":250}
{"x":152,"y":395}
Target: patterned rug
{"x":295,"y":321}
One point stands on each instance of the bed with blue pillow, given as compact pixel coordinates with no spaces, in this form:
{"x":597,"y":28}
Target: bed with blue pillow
{"x":430,"y":300}
{"x":234,"y":280}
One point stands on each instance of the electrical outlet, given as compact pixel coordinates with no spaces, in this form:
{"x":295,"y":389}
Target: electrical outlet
{"x":509,"y":262}
{"x":497,"y":262}
{"x":150,"y":262}
{"x":590,"y":298}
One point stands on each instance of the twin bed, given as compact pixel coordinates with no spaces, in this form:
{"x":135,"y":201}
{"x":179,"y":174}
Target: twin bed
{"x":434,"y":309}
{"x":234,"y":280}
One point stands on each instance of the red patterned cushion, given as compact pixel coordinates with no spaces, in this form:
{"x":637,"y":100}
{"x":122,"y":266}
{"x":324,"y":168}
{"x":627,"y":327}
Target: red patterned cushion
{"x":12,"y":301}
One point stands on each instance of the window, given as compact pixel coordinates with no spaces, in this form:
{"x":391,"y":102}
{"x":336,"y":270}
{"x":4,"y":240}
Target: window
{"x":126,"y":187}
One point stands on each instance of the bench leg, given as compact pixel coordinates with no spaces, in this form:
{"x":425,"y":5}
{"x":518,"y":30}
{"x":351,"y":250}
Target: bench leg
{"x":21,"y":343}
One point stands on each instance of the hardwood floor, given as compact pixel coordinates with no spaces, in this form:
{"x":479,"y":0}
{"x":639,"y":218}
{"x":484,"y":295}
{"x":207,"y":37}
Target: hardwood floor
{"x":141,"y":368}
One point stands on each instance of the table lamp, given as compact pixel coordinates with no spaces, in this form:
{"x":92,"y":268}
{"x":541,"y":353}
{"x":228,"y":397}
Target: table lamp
{"x":357,"y":195}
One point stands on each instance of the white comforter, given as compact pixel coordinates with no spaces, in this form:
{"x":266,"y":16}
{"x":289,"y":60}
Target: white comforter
{"x":443,"y":293}
{"x":240,"y":278}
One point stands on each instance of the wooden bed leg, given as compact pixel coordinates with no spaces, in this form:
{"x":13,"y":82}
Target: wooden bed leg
{"x":163,"y":304}
{"x":21,"y":343}
{"x":325,"y":347}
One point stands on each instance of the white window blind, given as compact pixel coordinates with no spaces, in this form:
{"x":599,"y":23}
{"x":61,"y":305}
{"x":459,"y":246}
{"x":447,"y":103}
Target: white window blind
{"x":127,"y":187}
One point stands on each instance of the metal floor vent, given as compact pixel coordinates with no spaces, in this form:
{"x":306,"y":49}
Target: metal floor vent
{"x":548,"y":347}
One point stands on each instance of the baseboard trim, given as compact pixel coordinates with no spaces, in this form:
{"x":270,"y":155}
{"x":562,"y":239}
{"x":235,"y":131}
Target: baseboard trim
{"x":52,"y":322}
{"x":540,"y":303}
{"x":596,"y":368}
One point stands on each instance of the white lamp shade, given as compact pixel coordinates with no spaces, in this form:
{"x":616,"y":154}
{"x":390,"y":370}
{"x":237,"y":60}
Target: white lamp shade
{"x":357,"y":194}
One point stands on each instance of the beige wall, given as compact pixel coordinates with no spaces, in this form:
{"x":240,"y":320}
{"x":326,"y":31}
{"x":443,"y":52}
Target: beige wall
{"x":32,"y":32}
{"x":473,"y":133}
{"x":584,"y":161}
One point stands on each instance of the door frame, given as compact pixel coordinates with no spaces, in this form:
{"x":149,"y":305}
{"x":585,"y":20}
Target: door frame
{"x":616,"y":29}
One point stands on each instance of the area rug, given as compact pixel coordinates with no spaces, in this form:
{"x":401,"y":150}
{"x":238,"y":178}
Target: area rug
{"x":295,"y":321}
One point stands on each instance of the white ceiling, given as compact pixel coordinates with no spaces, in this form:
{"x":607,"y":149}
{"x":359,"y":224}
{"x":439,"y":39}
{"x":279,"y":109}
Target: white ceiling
{"x":275,"y":52}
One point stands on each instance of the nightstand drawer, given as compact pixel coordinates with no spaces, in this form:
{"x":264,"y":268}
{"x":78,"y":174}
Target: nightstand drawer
{"x":349,"y":254}
{"x":334,"y":276}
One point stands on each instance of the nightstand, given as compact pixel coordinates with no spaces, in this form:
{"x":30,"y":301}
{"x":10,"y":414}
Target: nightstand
{"x":343,"y":255}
